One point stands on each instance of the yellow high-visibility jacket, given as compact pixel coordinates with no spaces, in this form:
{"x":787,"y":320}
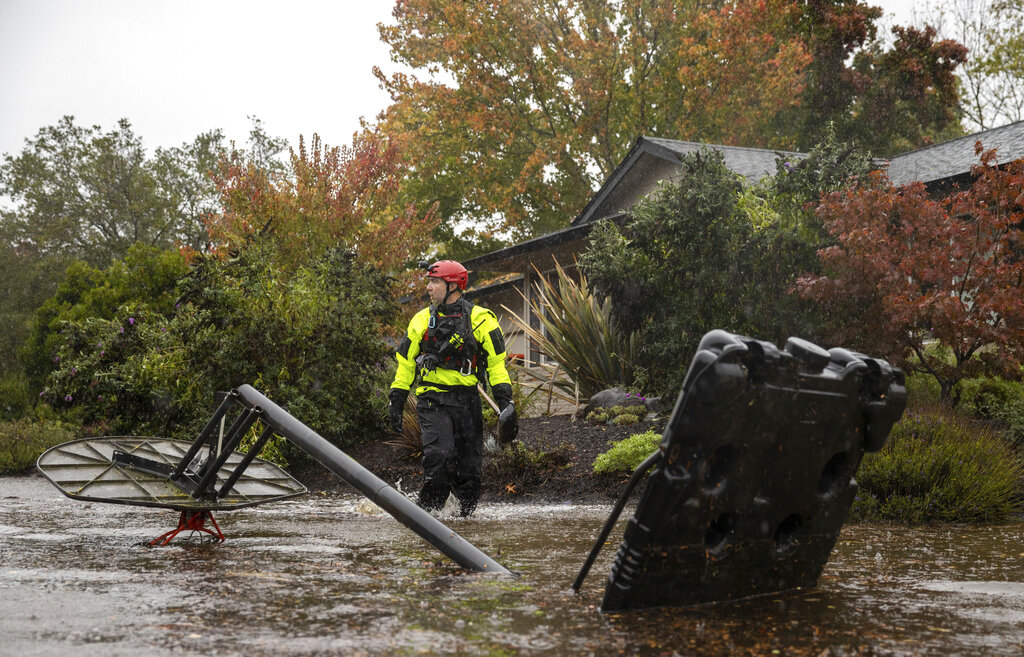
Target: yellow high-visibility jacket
{"x":488,"y":335}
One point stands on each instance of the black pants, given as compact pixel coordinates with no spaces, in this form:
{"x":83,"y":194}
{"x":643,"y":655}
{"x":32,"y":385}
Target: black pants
{"x":453,"y":449}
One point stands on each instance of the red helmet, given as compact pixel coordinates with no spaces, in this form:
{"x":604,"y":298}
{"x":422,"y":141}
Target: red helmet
{"x":450,"y":271}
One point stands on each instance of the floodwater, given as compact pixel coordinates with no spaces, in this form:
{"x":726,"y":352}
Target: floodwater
{"x":325,"y":575}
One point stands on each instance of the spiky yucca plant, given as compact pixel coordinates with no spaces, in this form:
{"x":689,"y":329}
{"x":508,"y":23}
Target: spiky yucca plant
{"x":578,"y":333}
{"x":411,"y":438}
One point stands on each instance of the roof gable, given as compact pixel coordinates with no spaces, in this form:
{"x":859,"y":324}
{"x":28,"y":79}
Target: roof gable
{"x":653,"y":159}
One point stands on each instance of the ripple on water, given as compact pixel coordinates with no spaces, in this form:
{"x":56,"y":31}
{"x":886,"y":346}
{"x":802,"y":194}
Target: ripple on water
{"x":1010,"y":589}
{"x":299,"y":549}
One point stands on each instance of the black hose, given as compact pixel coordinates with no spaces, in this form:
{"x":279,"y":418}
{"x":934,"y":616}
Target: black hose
{"x":634,"y":479}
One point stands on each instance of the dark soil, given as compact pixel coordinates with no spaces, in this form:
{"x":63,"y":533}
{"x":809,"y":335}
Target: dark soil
{"x":552,"y":463}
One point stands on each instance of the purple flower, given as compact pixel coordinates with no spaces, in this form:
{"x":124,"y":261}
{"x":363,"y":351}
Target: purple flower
{"x":122,"y":330}
{"x":131,"y":320}
{"x":101,"y":353}
{"x":99,"y":397}
{"x":41,"y":394}
{"x":74,"y":370}
{"x":67,"y":398}
{"x":56,"y":359}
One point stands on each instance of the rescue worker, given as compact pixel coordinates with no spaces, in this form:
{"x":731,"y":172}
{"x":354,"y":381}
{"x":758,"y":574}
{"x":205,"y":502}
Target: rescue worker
{"x":451,"y":345}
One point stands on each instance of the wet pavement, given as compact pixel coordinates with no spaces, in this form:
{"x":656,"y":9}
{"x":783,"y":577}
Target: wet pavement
{"x":330,"y":575}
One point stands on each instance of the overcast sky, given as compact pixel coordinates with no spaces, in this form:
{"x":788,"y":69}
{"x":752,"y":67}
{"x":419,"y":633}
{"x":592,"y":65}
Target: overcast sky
{"x":182,"y":67}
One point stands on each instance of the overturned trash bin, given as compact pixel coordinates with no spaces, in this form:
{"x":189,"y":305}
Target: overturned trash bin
{"x":754,"y":476}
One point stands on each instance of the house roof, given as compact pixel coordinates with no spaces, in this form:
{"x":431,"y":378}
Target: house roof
{"x":513,"y":257}
{"x":752,"y":163}
{"x":956,"y":157}
{"x":931,"y":164}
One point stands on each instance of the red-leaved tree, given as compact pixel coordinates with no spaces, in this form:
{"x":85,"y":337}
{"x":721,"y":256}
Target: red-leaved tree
{"x":909,"y":269}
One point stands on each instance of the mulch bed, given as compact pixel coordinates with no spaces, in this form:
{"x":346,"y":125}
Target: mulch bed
{"x":562,"y":449}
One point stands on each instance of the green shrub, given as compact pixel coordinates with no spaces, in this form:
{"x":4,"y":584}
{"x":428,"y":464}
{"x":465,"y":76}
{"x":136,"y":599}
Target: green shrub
{"x":273,"y":451}
{"x":617,"y":415}
{"x":923,"y":388}
{"x":22,"y":441}
{"x":310,"y":340}
{"x":625,"y":418}
{"x":939,"y":467}
{"x":14,"y":396}
{"x":709,"y":251}
{"x":998,"y":400}
{"x":627,"y":455}
{"x":146,"y":278}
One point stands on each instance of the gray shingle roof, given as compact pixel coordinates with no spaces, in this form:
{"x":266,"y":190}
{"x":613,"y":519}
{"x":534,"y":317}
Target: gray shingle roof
{"x":752,"y":163}
{"x":933,"y":163}
{"x":953,"y":158}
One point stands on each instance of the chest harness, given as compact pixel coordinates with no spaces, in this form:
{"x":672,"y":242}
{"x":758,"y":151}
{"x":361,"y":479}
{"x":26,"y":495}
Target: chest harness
{"x":449,"y":342}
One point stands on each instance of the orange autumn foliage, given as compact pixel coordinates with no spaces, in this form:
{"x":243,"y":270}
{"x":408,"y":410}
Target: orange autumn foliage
{"x":330,"y":197}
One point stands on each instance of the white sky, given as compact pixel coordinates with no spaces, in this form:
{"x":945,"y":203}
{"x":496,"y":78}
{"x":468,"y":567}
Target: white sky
{"x":182,"y":67}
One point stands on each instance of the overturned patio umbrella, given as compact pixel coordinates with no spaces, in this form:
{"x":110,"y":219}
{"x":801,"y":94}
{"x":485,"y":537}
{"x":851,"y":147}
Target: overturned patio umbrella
{"x":206,"y":475}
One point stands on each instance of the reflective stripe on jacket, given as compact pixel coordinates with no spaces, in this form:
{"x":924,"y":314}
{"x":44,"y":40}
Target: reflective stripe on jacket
{"x":488,"y":335}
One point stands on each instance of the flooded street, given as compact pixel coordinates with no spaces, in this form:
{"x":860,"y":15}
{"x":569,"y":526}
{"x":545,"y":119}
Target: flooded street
{"x":322,"y":575}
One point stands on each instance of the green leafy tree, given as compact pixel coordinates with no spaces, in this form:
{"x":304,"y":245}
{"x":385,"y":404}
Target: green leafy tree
{"x":85,"y":193}
{"x":672,"y":271}
{"x":992,"y":78}
{"x":145,"y":279}
{"x":310,"y":339}
{"x":185,"y":174}
{"x":714,"y":252}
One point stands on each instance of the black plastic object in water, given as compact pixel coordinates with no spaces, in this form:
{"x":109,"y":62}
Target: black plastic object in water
{"x":756,"y":475}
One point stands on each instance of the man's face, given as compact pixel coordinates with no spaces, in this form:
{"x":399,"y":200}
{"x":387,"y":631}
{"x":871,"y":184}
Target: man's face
{"x":436,"y":288}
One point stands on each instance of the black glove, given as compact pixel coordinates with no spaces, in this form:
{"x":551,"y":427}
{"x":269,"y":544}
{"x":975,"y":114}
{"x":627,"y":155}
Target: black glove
{"x":397,"y":407}
{"x":427,"y":362}
{"x":502,"y":395}
{"x":508,"y":421}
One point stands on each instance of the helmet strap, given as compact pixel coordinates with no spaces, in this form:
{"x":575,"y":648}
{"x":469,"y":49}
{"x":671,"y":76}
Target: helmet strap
{"x":448,"y":289}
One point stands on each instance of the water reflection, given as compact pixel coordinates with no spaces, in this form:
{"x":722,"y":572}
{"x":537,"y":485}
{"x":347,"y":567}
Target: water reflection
{"x":328,"y":575}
